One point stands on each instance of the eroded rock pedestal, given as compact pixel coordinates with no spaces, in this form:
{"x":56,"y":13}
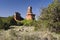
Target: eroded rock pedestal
{"x":30,"y":15}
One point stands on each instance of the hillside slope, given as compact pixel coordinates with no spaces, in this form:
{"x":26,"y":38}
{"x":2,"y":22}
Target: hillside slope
{"x":27,"y":33}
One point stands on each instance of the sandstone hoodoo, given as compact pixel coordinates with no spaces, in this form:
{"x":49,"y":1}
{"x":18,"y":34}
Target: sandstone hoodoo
{"x":30,"y":15}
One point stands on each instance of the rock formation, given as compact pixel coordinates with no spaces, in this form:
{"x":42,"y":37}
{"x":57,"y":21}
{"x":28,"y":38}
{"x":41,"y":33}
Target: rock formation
{"x":17,"y":16}
{"x":30,"y":15}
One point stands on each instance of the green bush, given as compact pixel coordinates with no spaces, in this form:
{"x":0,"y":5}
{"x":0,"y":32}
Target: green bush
{"x":6,"y":22}
{"x":50,"y":17}
{"x":4,"y":25}
{"x":28,"y":22}
{"x":1,"y":23}
{"x":19,"y":23}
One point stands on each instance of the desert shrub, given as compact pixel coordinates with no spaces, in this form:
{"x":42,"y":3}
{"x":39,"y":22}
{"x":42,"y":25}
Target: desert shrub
{"x":4,"y":25}
{"x":37,"y":25}
{"x":1,"y":23}
{"x":19,"y":23}
{"x":50,"y":17}
{"x":6,"y":22}
{"x":27,"y":22}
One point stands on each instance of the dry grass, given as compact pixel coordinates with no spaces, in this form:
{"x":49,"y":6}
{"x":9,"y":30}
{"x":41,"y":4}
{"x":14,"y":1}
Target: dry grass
{"x":25,"y":34}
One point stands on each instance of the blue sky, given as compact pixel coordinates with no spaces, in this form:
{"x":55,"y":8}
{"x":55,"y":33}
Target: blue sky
{"x":9,"y":7}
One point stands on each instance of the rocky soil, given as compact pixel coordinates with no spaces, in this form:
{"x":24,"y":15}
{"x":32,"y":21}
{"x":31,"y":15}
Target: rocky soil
{"x":27,"y":33}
